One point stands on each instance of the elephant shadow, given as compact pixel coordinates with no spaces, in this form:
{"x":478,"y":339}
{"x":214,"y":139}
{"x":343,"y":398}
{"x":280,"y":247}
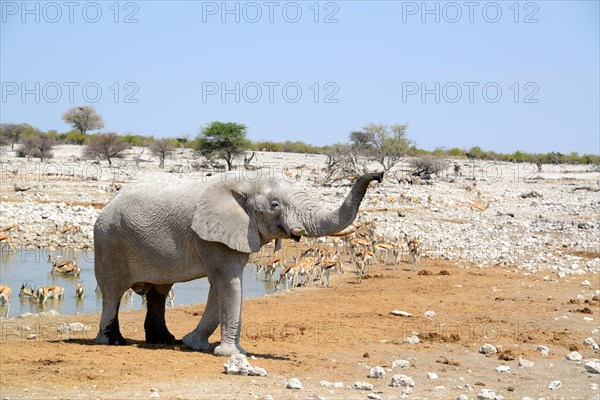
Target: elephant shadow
{"x":177,"y":345}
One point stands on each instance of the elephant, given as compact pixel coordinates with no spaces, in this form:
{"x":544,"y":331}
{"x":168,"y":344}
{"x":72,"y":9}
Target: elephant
{"x":152,"y":235}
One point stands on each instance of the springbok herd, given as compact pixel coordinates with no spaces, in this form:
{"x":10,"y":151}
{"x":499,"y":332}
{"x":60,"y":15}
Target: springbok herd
{"x":324,"y":256}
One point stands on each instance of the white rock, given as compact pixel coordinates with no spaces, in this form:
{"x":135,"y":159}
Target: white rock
{"x":544,"y":350}
{"x":373,"y":396}
{"x":362,"y":386}
{"x":154,"y":394}
{"x":432,"y":376}
{"x":574,"y":356}
{"x":462,"y":397}
{"x":586,"y":283}
{"x":402,"y":381}
{"x":595,"y":346}
{"x":414,"y":339}
{"x":592,"y":366}
{"x":525,"y":363}
{"x":429,"y":313}
{"x":238,"y":365}
{"x":589,"y":341}
{"x":488,"y":349}
{"x":400,"y":313}
{"x":555,"y":385}
{"x":486,"y":394}
{"x":72,"y":327}
{"x":400,"y":364}
{"x":294,"y":383}
{"x":503,"y":368}
{"x":594,"y":387}
{"x":31,"y":336}
{"x":376,"y":372}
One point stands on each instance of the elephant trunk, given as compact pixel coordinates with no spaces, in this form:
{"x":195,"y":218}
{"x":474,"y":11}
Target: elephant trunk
{"x":319,"y":222}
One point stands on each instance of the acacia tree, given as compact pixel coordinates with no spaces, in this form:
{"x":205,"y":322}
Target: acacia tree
{"x":37,"y":145}
{"x":11,"y":133}
{"x":162,"y":149}
{"x":223,"y":140}
{"x":105,"y":145}
{"x":83,"y":118}
{"x":382,"y":143}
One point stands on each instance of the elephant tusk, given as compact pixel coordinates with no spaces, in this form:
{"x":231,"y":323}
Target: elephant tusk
{"x":298,"y":232}
{"x":345,"y":232}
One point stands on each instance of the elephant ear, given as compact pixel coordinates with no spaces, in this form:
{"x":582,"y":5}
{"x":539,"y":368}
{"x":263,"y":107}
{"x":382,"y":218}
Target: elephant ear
{"x":221,"y":216}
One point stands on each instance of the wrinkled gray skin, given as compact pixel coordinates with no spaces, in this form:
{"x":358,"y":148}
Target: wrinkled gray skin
{"x":151,"y":236}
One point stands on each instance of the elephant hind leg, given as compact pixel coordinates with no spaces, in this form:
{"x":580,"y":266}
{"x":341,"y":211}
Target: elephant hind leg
{"x":155,"y":325}
{"x":109,"y":332}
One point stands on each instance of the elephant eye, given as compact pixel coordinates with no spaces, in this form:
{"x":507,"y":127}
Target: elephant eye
{"x":274,"y":204}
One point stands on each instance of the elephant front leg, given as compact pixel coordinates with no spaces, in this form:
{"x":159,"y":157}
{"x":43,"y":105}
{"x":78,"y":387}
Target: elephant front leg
{"x":230,"y":312}
{"x":198,"y":338}
{"x":155,"y":324}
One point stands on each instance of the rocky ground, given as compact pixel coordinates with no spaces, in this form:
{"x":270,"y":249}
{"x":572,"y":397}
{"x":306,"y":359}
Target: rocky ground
{"x":331,"y":338}
{"x":517,"y":280}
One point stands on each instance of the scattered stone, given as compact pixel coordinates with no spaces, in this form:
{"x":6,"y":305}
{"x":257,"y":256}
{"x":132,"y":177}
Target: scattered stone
{"x":154,"y":394}
{"x":429,"y":314}
{"x":589,"y":341}
{"x":486,"y":394}
{"x":595,"y":346}
{"x":72,"y":327}
{"x":462,"y":397}
{"x":402,"y":381}
{"x":338,"y":385}
{"x":586,"y":283}
{"x":592,"y":366}
{"x":432,"y":376}
{"x":400,"y":313}
{"x":594,"y":387}
{"x":488,"y":349}
{"x":555,"y":385}
{"x":376,"y":372}
{"x":238,"y":365}
{"x":294,"y":383}
{"x":544,"y":350}
{"x":413,"y":339}
{"x":532,"y":194}
{"x":525,"y":363}
{"x":400,"y":364}
{"x":574,"y":356}
{"x":503,"y":368}
{"x":373,"y":396}
{"x":31,"y":336}
{"x":362,"y":386}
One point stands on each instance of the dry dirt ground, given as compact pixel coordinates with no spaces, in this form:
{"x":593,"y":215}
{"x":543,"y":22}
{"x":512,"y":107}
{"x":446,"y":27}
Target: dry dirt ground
{"x":333,"y":334}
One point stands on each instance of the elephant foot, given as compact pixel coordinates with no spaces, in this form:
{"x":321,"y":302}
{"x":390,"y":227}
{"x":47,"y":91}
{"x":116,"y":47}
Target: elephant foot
{"x":195,"y":341}
{"x":110,"y":338}
{"x":228,"y":349}
{"x":157,"y":336}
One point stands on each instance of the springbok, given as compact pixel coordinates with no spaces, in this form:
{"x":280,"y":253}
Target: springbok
{"x":26,"y":290}
{"x":171,"y":297}
{"x":44,"y":293}
{"x":5,"y":237}
{"x":331,"y":263}
{"x":5,"y":292}
{"x":8,"y":228}
{"x":414,"y":251}
{"x":79,"y":291}
{"x":360,"y":268}
{"x":64,"y":267}
{"x":384,"y":249}
{"x":291,"y":271}
{"x":479,"y":206}
{"x":71,"y":228}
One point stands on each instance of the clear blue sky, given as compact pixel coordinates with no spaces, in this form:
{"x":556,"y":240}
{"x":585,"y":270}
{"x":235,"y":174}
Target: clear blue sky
{"x":382,"y":62}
